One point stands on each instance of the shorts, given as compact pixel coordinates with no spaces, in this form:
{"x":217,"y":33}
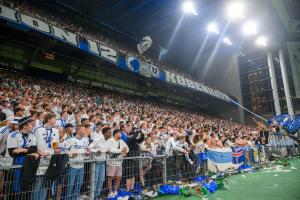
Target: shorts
{"x":114,"y":171}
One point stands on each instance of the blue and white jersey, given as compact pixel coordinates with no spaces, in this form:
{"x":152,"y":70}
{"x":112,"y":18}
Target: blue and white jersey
{"x":64,"y":144}
{"x":4,"y":132}
{"x":38,"y":124}
{"x":61,"y":123}
{"x":77,"y":146}
{"x":45,"y":137}
{"x":18,"y":139}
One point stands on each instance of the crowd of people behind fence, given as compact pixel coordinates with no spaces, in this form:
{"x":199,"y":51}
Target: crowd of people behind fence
{"x":41,"y":118}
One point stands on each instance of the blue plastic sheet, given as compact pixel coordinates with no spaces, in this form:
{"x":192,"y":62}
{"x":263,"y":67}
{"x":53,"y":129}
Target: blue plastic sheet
{"x":169,"y":189}
{"x":211,"y":186}
{"x":244,"y":166}
{"x":200,"y":179}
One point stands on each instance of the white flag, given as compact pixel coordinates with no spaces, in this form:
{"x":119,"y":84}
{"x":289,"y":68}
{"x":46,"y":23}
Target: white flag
{"x":145,"y":44}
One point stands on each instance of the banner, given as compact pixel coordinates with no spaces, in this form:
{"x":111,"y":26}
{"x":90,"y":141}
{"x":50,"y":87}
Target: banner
{"x":220,"y":159}
{"x":24,"y":22}
{"x":238,"y":155}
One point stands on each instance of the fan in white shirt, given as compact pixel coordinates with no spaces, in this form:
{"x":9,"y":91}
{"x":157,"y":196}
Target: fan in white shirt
{"x":99,"y":144}
{"x":40,"y":119}
{"x":117,"y":149}
{"x":77,"y":147}
{"x":171,"y":146}
{"x":47,"y":135}
{"x":63,"y":119}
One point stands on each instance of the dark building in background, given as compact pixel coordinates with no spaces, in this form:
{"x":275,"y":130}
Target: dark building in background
{"x":256,"y":84}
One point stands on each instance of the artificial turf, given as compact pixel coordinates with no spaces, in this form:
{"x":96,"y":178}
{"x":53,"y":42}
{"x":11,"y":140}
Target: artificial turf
{"x":261,"y":185}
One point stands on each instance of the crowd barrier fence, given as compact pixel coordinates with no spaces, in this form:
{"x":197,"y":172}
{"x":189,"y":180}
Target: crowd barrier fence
{"x":87,"y":177}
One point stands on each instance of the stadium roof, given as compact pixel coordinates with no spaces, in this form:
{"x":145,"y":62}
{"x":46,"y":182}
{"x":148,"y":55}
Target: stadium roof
{"x":183,"y":35}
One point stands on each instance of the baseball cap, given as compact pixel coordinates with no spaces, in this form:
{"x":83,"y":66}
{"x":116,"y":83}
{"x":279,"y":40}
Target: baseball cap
{"x":69,"y":125}
{"x":24,"y":120}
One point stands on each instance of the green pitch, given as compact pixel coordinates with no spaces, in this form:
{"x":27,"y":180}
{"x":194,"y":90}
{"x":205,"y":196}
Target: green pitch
{"x":261,"y":185}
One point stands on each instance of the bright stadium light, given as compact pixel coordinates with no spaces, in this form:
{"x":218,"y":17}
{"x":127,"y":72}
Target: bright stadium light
{"x":212,"y":28}
{"x":235,"y":10}
{"x":227,"y":41}
{"x":262,"y":41}
{"x":250,"y":28}
{"x":188,"y":7}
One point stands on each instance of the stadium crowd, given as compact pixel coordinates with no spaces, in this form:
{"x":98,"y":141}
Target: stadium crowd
{"x":41,"y":117}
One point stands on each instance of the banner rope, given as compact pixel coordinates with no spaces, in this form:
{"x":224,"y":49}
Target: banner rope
{"x":249,"y":111}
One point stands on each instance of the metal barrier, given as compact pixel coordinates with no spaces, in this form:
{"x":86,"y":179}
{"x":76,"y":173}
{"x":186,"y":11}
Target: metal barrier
{"x":86,"y":177}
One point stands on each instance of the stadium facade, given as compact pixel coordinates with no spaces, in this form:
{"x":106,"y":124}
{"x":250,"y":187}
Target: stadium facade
{"x":256,"y":66}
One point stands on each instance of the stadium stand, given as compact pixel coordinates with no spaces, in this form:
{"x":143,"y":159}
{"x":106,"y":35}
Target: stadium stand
{"x":55,"y":18}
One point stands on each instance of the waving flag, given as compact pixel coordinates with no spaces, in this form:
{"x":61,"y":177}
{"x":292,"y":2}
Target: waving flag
{"x":238,"y":155}
{"x":162,"y":53}
{"x":144,"y":45}
{"x":289,"y":123}
{"x":220,"y":159}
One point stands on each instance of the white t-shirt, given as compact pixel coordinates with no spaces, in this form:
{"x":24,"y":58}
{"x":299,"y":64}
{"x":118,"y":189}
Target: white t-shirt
{"x":144,"y":148}
{"x":99,"y":144}
{"x":115,"y":149}
{"x":78,"y":146}
{"x":9,"y":113}
{"x":18,"y":140}
{"x":61,"y":123}
{"x":4,"y":132}
{"x":94,"y":134}
{"x":38,"y":124}
{"x":171,"y":145}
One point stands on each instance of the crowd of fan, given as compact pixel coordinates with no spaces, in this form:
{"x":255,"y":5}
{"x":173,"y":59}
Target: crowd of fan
{"x":53,"y":16}
{"x":41,"y":117}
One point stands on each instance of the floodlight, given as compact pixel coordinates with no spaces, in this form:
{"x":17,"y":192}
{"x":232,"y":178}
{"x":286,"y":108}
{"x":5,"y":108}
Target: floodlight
{"x":261,"y":41}
{"x":250,"y":28}
{"x":227,"y":41}
{"x":212,"y":28}
{"x":235,"y":10}
{"x":188,"y":7}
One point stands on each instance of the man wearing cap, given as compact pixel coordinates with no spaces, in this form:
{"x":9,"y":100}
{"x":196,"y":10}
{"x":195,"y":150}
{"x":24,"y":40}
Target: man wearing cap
{"x":4,"y":132}
{"x":67,"y":135}
{"x":20,"y":143}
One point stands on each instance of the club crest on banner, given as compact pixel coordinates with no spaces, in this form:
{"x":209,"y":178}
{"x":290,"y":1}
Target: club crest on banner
{"x":154,"y":71}
{"x":145,"y":69}
{"x":133,"y":64}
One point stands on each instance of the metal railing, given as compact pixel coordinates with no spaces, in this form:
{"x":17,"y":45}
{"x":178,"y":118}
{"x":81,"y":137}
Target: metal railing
{"x":87,"y":177}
